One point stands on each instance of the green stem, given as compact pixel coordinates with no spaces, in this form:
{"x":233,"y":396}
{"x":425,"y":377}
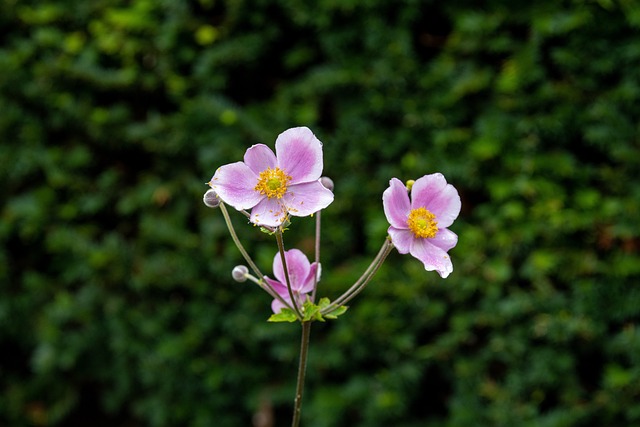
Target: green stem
{"x":286,"y":274}
{"x":302,"y":368}
{"x":263,"y":283}
{"x":362,"y":282}
{"x":235,"y":239}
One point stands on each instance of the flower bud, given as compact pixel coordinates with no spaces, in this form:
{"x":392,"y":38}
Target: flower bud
{"x":409,"y":184}
{"x":211,"y":199}
{"x":239,"y":273}
{"x":327,"y":182}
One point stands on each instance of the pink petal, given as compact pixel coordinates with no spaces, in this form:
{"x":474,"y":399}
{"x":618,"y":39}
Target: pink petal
{"x":234,"y":184}
{"x":259,"y":157}
{"x":276,"y":305}
{"x":433,"y":193}
{"x":269,"y":212}
{"x":299,"y":154}
{"x":445,"y":239}
{"x":297,"y":265}
{"x":432,"y":257}
{"x":309,"y":281}
{"x":305,"y":199}
{"x":401,"y":239}
{"x":280,"y":288}
{"x":426,"y":188}
{"x":395,"y":201}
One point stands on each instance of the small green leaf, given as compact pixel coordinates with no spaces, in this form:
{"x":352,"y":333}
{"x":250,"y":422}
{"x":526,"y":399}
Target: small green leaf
{"x":285,"y":315}
{"x":337,"y":312}
{"x":311,"y":312}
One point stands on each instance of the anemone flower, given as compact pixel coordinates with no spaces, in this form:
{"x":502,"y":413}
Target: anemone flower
{"x":419,"y":225}
{"x":301,"y":277}
{"x":275,"y":186}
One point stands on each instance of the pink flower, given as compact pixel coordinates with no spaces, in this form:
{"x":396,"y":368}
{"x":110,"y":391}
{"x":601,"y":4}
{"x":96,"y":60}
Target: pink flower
{"x":419,"y":226}
{"x":301,"y":277}
{"x":275,"y":186}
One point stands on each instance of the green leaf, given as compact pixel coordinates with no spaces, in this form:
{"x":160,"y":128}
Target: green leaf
{"x":311,"y":312}
{"x":285,"y":315}
{"x":339,"y":311}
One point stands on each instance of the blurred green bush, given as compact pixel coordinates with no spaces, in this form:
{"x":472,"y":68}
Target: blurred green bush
{"x":116,"y":302}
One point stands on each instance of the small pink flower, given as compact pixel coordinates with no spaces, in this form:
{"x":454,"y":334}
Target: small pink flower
{"x":419,"y":226}
{"x":275,"y":186}
{"x":301,"y":277}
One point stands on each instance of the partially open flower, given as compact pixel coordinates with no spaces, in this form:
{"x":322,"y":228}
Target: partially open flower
{"x":275,"y":186}
{"x":419,"y":225}
{"x":301,"y":277}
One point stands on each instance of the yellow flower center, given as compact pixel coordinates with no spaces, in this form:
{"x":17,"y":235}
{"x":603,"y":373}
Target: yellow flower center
{"x":422,"y":223}
{"x":272,"y":183}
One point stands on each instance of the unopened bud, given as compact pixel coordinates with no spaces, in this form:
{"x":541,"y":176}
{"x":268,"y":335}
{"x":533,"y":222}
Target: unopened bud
{"x":239,"y":273}
{"x":327,"y":182}
{"x":211,"y":199}
{"x":409,"y":184}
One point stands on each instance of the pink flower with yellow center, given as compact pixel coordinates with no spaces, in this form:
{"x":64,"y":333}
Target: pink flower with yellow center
{"x":275,"y":186}
{"x":301,"y":277}
{"x":419,"y":224}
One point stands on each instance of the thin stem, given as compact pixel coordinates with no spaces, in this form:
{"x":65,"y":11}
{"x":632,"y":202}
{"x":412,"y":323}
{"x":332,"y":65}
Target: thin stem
{"x":264,"y":284}
{"x":362,"y":282}
{"x":317,"y":256}
{"x":235,"y":239}
{"x":286,"y":273}
{"x":302,"y":368}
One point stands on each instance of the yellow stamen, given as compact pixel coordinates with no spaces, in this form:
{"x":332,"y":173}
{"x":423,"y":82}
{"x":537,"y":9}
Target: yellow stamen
{"x":422,"y":223}
{"x":272,"y":183}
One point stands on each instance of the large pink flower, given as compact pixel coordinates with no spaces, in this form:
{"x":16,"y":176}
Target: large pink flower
{"x":276,"y":185}
{"x":301,"y":277}
{"x":419,"y":225}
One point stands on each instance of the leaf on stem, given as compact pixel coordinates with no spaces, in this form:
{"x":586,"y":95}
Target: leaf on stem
{"x":285,"y":315}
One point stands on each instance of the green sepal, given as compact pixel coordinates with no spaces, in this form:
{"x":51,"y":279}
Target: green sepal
{"x":285,"y":315}
{"x":311,"y":312}
{"x":333,"y":314}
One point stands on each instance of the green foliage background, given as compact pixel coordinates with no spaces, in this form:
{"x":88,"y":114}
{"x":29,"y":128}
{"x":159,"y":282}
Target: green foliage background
{"x":116,"y":303}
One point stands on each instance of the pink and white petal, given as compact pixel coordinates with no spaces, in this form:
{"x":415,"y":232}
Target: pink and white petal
{"x":309,"y":281}
{"x":259,"y":157}
{"x":234,"y":183}
{"x":305,"y":199}
{"x":277,"y":305}
{"x":395,"y":201}
{"x":445,"y":239}
{"x":280,"y":288}
{"x":401,"y":239}
{"x":269,"y":213}
{"x":299,"y":155}
{"x":425,"y":189}
{"x":432,"y":257}
{"x":297,"y":265}
{"x":445,"y":206}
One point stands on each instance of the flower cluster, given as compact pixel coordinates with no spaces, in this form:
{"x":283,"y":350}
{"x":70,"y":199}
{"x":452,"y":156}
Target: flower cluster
{"x":289,"y":182}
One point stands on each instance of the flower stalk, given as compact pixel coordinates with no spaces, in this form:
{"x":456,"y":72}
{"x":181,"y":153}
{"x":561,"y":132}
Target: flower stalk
{"x":234,"y":236}
{"x":302,"y":369}
{"x":363,"y":281}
